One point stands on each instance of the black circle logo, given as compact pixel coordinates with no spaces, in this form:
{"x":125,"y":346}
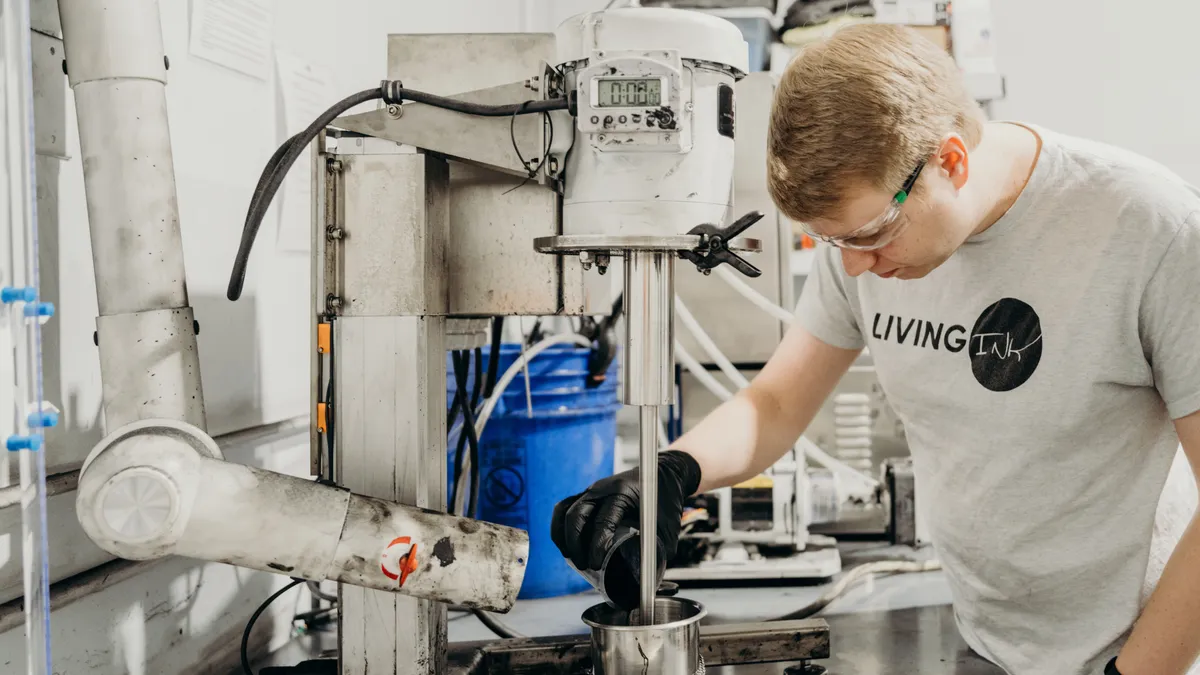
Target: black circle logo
{"x":1006,"y":345}
{"x":504,"y":487}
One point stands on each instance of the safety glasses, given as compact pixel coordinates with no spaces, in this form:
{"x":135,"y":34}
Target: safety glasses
{"x":882,"y":230}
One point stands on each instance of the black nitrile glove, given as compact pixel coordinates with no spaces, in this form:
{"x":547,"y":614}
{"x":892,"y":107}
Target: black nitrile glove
{"x":584,"y":526}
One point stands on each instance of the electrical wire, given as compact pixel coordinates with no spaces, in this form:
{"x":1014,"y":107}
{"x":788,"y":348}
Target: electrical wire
{"x":854,"y":576}
{"x":285,"y":156}
{"x":254,"y":618}
{"x":754,"y":296}
{"x":277,"y":170}
{"x":461,"y":363}
{"x":315,"y":589}
{"x":706,"y":343}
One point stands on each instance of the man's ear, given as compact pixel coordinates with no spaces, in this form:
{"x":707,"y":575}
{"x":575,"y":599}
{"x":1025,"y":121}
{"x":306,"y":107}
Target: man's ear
{"x":952,"y":159}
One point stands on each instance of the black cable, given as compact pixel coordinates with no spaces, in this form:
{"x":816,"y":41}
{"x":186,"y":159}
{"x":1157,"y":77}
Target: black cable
{"x":254,"y":617}
{"x":278,"y":169}
{"x":495,"y":625}
{"x":460,"y":375}
{"x":455,"y":407}
{"x":493,"y":370}
{"x":394,"y":93}
{"x":477,"y":385}
{"x":330,"y":394}
{"x":285,"y":156}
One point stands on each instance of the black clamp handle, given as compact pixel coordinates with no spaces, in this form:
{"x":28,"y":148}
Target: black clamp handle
{"x":714,"y":246}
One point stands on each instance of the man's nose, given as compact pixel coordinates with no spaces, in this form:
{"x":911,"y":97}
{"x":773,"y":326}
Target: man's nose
{"x":857,"y":262}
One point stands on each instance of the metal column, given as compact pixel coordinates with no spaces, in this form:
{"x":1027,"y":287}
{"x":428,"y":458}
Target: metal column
{"x":390,"y":382}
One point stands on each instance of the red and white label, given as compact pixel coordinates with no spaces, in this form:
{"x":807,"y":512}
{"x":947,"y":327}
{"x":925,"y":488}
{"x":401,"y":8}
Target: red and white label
{"x":399,"y":559}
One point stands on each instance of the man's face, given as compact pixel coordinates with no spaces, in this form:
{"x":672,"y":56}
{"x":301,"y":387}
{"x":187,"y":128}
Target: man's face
{"x":926,"y":232}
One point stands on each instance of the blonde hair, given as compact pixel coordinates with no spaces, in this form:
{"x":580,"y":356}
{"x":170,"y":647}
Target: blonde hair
{"x":862,"y":108}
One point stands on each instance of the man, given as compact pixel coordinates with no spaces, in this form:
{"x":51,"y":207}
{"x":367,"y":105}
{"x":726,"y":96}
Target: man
{"x":1031,"y":302}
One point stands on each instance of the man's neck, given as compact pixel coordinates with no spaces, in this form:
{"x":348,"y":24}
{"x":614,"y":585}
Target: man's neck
{"x":1001,"y":167}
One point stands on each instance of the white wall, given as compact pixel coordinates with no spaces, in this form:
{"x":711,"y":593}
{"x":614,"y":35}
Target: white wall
{"x":1115,"y":71}
{"x":183,"y":616}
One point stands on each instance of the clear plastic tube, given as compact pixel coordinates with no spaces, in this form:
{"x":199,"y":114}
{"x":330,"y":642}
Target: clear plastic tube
{"x":23,"y":323}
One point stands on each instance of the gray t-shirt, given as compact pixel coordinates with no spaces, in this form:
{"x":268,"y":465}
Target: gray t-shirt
{"x":1036,"y":374}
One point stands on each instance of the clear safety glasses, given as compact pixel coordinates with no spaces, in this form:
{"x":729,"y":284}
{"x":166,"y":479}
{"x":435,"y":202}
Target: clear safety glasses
{"x":882,"y":230}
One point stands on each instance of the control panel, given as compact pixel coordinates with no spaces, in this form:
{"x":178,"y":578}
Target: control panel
{"x":636,"y":101}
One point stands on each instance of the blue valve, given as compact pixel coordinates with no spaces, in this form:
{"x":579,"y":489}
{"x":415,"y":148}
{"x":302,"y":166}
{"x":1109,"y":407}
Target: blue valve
{"x":9,"y":294}
{"x":43,"y":420}
{"x":45,"y":309}
{"x":15,"y":443}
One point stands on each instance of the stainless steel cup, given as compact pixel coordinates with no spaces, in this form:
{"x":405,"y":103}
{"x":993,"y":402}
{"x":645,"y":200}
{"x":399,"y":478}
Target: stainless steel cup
{"x":671,"y":646}
{"x":619,"y":577}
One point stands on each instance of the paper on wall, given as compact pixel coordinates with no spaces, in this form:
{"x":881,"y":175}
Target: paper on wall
{"x":307,"y":91}
{"x":974,"y":43}
{"x":234,"y":33}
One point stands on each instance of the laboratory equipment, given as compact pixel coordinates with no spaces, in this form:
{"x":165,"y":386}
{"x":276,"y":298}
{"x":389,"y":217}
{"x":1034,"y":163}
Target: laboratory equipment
{"x":472,"y":192}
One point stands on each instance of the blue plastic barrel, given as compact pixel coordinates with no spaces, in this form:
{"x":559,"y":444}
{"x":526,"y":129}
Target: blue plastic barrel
{"x":530,"y":461}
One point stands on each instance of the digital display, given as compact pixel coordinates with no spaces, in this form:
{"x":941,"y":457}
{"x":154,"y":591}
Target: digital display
{"x":640,"y":92}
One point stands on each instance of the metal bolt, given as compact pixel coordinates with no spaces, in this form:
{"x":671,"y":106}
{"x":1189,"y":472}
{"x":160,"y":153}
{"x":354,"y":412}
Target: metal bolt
{"x":395,"y":111}
{"x":706,"y":272}
{"x":334,"y":233}
{"x":688,"y":106}
{"x":602,"y":261}
{"x":553,"y":165}
{"x":585,"y":259}
{"x":601,"y":137}
{"x":333,"y":303}
{"x":334,"y":165}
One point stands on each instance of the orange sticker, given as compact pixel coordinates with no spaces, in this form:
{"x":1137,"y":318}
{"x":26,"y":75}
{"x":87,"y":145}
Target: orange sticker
{"x":399,"y":559}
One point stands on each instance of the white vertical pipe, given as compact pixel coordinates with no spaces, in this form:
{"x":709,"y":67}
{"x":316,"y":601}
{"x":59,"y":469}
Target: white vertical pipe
{"x":117,"y":66}
{"x":115,"y":63}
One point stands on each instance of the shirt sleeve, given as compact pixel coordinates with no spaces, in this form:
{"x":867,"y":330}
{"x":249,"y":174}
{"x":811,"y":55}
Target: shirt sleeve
{"x":1170,"y":322}
{"x":827,"y":302}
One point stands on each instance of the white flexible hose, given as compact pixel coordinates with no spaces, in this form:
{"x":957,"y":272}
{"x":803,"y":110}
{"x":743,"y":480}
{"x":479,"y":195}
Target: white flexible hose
{"x":490,"y":404}
{"x":804,"y":445}
{"x":754,"y":296}
{"x":519,"y":365}
{"x":702,"y":376}
{"x":707,"y":344}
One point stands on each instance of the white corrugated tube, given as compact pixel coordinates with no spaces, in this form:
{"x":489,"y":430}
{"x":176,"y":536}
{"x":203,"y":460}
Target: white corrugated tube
{"x":852,"y":430}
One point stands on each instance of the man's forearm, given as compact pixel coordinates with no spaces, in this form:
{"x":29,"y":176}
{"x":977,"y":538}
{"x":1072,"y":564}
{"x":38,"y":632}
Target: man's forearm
{"x":1165,"y":640}
{"x":750,"y":432}
{"x":739,"y":439}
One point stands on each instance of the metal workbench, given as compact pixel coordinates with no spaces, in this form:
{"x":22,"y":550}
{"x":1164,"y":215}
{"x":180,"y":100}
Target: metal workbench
{"x":920,"y":640}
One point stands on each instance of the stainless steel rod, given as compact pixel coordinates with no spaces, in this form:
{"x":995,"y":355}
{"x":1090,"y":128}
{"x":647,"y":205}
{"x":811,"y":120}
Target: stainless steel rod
{"x":649,"y":538}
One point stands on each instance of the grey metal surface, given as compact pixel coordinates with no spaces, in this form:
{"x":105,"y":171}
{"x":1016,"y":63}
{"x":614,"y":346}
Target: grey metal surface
{"x":391,"y":440}
{"x":921,"y":640}
{"x":467,"y":333}
{"x":741,"y":331}
{"x":485,"y":140}
{"x":648,"y":366}
{"x":395,"y":216}
{"x":734,"y":643}
{"x":619,"y":244}
{"x":491,"y":265}
{"x":450,"y":63}
{"x":667,"y":644}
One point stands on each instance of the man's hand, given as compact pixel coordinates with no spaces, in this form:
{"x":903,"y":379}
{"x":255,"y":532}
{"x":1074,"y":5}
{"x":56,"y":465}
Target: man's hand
{"x":584,"y":526}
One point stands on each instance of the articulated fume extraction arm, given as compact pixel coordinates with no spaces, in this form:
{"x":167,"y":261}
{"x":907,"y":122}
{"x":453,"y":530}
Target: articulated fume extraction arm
{"x":158,"y":485}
